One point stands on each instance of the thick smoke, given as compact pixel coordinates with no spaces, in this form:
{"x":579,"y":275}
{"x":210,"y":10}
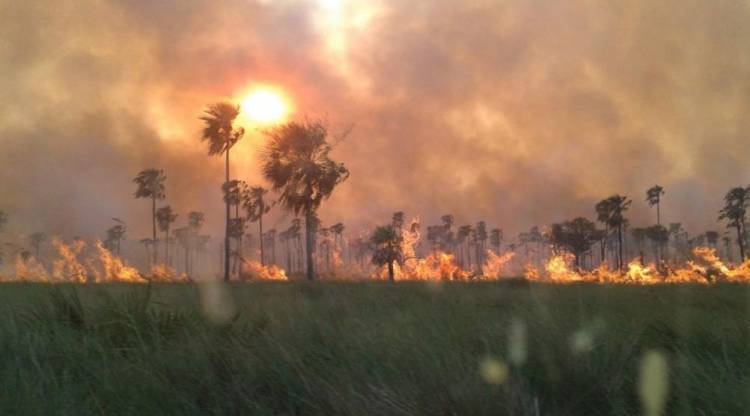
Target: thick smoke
{"x":514,"y":112}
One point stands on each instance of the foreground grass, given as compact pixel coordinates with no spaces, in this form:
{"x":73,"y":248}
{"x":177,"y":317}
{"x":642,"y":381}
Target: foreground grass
{"x":361,"y":349}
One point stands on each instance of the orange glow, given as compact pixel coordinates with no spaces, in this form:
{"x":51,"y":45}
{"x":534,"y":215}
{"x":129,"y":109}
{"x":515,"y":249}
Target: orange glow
{"x":264,"y":105}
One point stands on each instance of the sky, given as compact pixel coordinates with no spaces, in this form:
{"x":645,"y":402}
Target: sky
{"x":516,"y":112}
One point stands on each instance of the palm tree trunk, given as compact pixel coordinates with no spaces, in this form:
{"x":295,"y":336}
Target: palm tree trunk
{"x":260,"y":236}
{"x":153,"y":223}
{"x":166,"y":248}
{"x":741,"y":243}
{"x":658,"y":213}
{"x":309,"y":243}
{"x":391,"y":276}
{"x":619,"y":247}
{"x":226,"y":229}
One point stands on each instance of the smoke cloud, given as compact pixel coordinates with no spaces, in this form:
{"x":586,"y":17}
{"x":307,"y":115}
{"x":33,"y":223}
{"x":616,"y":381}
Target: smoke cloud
{"x":513,"y":112}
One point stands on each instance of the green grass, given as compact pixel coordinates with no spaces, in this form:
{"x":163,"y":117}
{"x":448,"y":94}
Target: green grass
{"x":362,"y":349}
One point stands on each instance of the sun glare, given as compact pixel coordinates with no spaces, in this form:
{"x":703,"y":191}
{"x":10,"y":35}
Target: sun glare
{"x":264,"y":106}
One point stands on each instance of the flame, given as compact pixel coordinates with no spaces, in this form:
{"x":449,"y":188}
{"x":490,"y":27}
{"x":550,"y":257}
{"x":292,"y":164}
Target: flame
{"x":101,"y":266}
{"x":705,"y":268}
{"x":253,"y":270}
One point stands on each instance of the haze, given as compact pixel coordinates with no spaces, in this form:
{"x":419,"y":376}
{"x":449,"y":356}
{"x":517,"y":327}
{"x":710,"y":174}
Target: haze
{"x":513,"y":112}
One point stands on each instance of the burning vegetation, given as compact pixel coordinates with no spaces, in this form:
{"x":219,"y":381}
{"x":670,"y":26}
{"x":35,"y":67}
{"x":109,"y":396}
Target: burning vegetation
{"x":301,"y":175}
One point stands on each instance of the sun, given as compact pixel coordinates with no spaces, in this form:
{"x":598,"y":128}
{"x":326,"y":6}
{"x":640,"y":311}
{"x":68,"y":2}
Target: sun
{"x":264,"y":106}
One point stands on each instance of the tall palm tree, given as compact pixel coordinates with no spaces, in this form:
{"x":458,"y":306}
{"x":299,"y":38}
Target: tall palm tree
{"x":611,"y":212}
{"x":653,"y":196}
{"x":221,"y":134}
{"x":165,"y":217}
{"x":296,"y":162}
{"x":387,"y":248}
{"x":150,"y":184}
{"x":256,"y":207}
{"x":736,"y":202}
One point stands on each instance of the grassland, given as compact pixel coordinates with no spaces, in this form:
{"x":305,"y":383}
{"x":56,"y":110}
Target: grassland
{"x":362,"y":349}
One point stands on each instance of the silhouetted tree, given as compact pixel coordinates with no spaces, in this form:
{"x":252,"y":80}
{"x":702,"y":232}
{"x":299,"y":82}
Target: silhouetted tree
{"x":735,"y":213}
{"x":386,"y":245}
{"x":256,"y":207}
{"x":576,"y":236}
{"x":221,"y":134}
{"x":150,"y":184}
{"x":653,"y":196}
{"x":296,"y":162}
{"x":165,"y":217}
{"x":611,"y":212}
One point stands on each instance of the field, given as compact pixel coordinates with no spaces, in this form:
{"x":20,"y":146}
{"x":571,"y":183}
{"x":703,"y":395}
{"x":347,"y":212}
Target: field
{"x":370,"y":348}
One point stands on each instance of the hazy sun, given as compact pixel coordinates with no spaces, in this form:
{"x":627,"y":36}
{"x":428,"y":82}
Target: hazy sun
{"x":264,"y":106}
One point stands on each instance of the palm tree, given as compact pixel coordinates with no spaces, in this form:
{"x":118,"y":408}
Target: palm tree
{"x":736,"y":202}
{"x":297,"y":163}
{"x":150,"y":184}
{"x":387,"y":248}
{"x":653,"y":196}
{"x":256,"y":207}
{"x":221,"y":134}
{"x":165,"y":217}
{"x":611,"y":212}
{"x":36,"y":242}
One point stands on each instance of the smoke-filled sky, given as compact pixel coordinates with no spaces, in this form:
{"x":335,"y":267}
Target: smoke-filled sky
{"x":514,"y":112}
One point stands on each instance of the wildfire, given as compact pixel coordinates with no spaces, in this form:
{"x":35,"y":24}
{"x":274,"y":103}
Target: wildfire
{"x":99,"y":266}
{"x":439,"y":265}
{"x":253,"y":270}
{"x":705,"y":268}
